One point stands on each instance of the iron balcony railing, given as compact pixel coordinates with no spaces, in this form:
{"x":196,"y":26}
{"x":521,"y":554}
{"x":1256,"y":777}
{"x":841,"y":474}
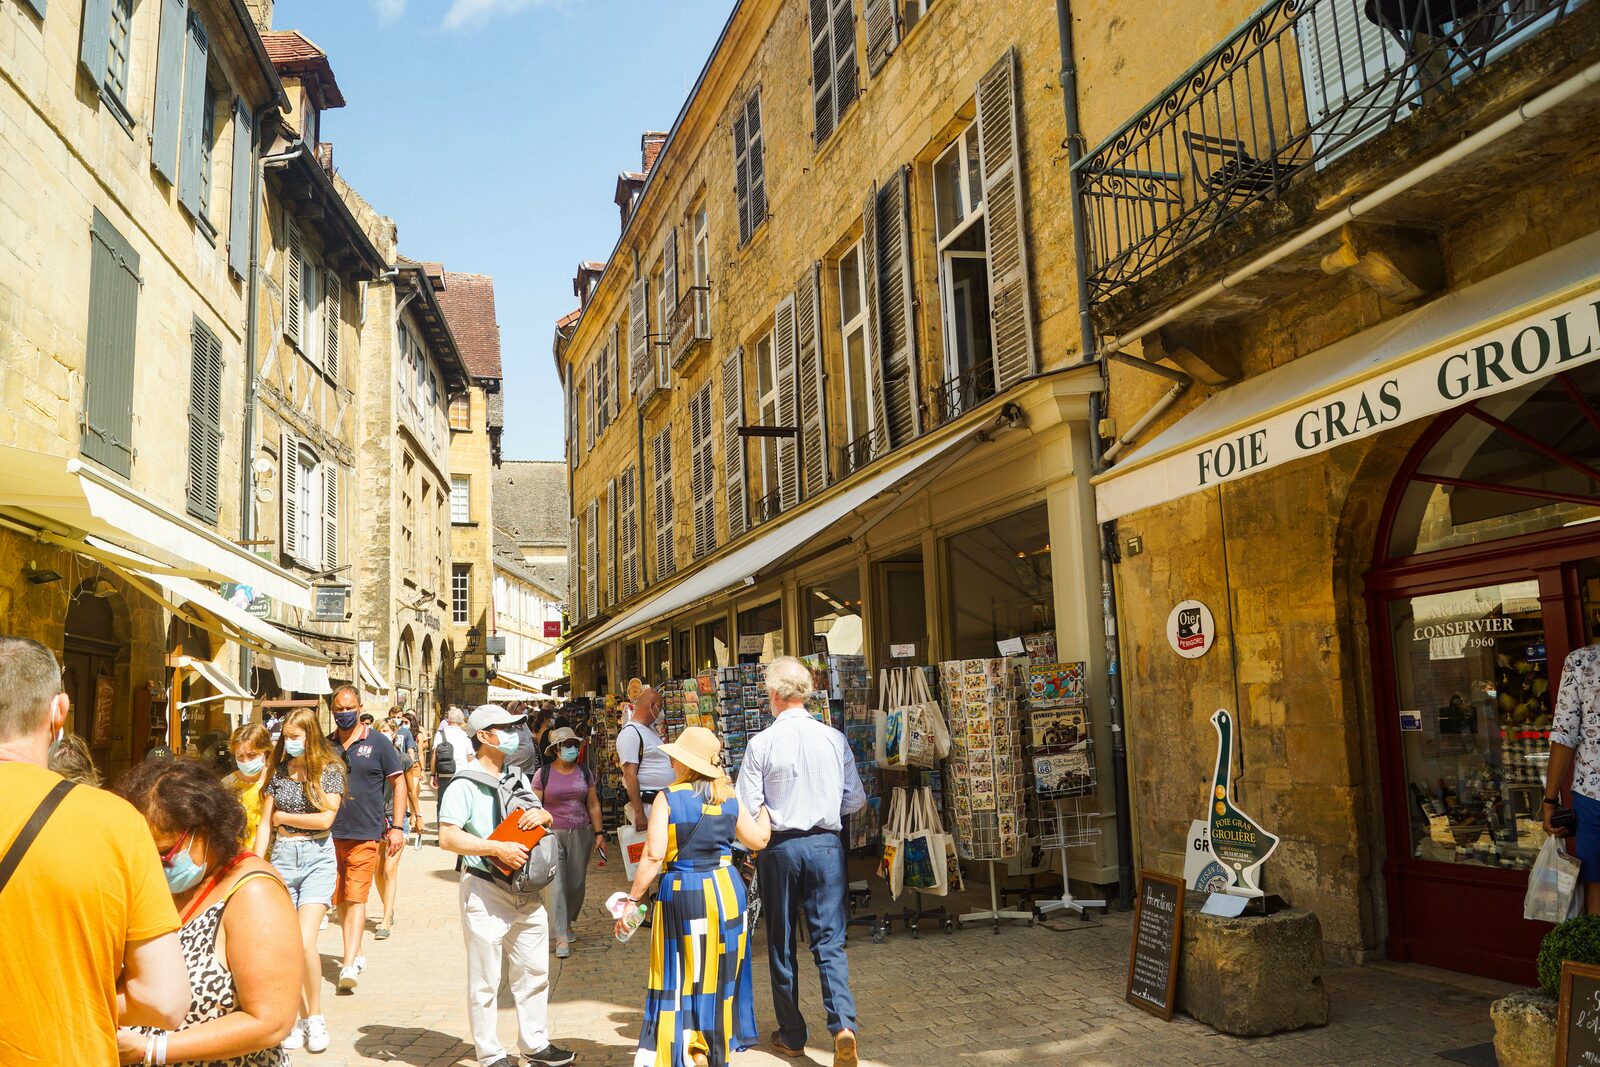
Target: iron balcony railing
{"x":690,"y":322}
{"x":863,"y":450}
{"x":956,"y":396}
{"x":766,"y":508}
{"x":1285,"y":94}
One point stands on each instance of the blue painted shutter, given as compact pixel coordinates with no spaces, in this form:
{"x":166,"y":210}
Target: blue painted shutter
{"x":165,"y":118}
{"x":108,"y":364}
{"x":193,"y":172}
{"x":205,"y":422}
{"x":38,"y":6}
{"x":94,"y":52}
{"x":239,"y":209}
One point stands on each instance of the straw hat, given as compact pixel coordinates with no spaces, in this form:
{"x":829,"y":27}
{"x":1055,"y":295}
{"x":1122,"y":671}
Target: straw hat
{"x":557,"y":736}
{"x":697,"y":748}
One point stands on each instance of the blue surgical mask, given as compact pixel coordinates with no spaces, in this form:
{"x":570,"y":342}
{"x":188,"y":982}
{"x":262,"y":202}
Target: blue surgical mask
{"x":184,"y":872}
{"x":569,"y":753}
{"x":294,"y":748}
{"x":252,"y":767}
{"x":345,"y":720}
{"x":509,"y":742}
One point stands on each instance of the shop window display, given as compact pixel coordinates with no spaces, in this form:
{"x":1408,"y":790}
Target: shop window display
{"x":1000,"y":582}
{"x":711,"y":645}
{"x":765,"y":622}
{"x":833,"y":616}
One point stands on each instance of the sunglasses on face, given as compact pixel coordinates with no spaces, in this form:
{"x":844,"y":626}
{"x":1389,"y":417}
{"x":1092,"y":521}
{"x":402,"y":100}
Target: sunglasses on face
{"x":171,"y":854}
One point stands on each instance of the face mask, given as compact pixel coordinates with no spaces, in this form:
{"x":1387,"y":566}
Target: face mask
{"x":184,"y":872}
{"x":294,"y":749}
{"x":569,"y":753}
{"x":251,"y":768}
{"x":508,"y":743}
{"x":344,"y":720}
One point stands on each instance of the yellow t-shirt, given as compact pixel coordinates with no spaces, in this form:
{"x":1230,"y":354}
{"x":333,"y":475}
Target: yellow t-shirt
{"x":252,"y":796}
{"x":90,"y":884}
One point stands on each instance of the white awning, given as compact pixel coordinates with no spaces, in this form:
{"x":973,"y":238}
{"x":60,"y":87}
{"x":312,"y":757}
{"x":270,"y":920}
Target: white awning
{"x":777,"y":541}
{"x":227,"y":688}
{"x":295,"y":677}
{"x":63,"y":501}
{"x":367,"y":674}
{"x":1517,"y":327}
{"x":520,"y":684}
{"x":545,"y":658}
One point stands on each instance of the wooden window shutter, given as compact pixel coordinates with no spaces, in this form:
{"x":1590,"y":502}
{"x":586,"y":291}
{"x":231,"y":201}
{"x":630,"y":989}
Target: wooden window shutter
{"x":167,"y":110}
{"x":898,"y":337}
{"x":573,"y":451}
{"x":38,"y":6}
{"x":289,"y":495}
{"x":330,"y":515}
{"x":702,"y":474}
{"x":1011,"y":314}
{"x":669,"y":276}
{"x":205,"y":422}
{"x":107,"y":421}
{"x":628,"y":533}
{"x":292,"y":281}
{"x":640,"y":366}
{"x":665,"y":533}
{"x":846,"y":80}
{"x":611,"y":548}
{"x":192,"y":173}
{"x":883,"y":31}
{"x":809,"y":381}
{"x":783,"y":347}
{"x":239,"y":204}
{"x":94,"y":51}
{"x":614,"y":373}
{"x":874,"y":356}
{"x":741,"y":175}
{"x":755,"y":161}
{"x":821,"y":70}
{"x":332,"y":304}
{"x":589,"y":405}
{"x":574,"y":561}
{"x":733,"y":450}
{"x":591,"y":581}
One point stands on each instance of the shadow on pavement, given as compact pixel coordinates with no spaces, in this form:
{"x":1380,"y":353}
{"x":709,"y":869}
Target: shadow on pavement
{"x":410,"y":1044}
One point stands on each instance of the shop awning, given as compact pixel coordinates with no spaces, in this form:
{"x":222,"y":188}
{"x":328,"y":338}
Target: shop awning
{"x":64,"y":501}
{"x":562,"y":683}
{"x":522,"y":684}
{"x":783,"y":537}
{"x":227,"y":688}
{"x":1504,"y":332}
{"x":297,"y":677}
{"x":544,"y":659}
{"x":369,"y":677}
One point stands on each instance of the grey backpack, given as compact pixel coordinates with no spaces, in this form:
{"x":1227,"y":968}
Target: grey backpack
{"x":513,"y":792}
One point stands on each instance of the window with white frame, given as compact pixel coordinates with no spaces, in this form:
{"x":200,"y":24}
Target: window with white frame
{"x":767,"y":405}
{"x":460,"y":412}
{"x":658,"y":286}
{"x":958,"y":211}
{"x":854,"y":343}
{"x":461,"y":592}
{"x":307,"y":506}
{"x":460,"y":498}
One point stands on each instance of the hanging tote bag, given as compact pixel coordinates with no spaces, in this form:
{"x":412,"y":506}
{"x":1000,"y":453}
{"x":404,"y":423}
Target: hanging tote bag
{"x":951,"y":882}
{"x":927,"y":738}
{"x":890,"y":720}
{"x":922,"y":851}
{"x":892,"y":866}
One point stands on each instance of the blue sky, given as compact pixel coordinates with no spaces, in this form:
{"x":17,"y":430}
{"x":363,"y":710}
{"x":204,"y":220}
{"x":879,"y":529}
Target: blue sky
{"x":492,"y":132}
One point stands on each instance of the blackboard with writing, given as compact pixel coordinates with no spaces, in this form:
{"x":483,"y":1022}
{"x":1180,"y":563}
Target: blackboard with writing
{"x":1157,"y":937}
{"x":1578,"y":1025}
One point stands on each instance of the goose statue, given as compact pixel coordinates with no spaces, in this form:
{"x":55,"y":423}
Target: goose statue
{"x":1238,"y":841}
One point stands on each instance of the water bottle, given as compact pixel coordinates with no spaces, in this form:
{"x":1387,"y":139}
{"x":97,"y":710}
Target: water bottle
{"x":631,"y":914}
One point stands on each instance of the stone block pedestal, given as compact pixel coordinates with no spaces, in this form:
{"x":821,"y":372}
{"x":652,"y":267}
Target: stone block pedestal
{"x":1525,"y":1029}
{"x":1253,"y":975}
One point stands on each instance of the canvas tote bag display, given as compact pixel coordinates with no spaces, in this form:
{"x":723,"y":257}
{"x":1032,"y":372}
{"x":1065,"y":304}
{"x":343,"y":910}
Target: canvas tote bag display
{"x":927,"y":738}
{"x":892,"y":866}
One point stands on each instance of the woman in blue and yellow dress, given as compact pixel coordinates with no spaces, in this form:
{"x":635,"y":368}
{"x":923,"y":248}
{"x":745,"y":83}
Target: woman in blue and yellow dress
{"x":699,"y":1005}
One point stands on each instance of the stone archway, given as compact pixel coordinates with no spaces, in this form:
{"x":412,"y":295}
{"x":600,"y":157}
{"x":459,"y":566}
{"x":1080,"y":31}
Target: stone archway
{"x":405,"y":681}
{"x":95,"y":668}
{"x":427,"y":698}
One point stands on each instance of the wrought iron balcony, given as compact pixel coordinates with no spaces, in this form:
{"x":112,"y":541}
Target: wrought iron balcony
{"x":690,"y":322}
{"x":863,"y":450}
{"x":766,"y":508}
{"x":1300,"y":83}
{"x":956,"y":396}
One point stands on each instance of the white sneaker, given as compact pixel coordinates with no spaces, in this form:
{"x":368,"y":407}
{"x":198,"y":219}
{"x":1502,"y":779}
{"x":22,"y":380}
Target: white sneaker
{"x":361,"y":964}
{"x":296,"y":1038}
{"x":316,"y":1034}
{"x":347,"y":979}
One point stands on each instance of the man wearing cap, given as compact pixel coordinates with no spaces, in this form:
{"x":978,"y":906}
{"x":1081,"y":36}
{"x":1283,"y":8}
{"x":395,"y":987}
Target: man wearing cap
{"x":646,"y":770}
{"x":500,"y":926}
{"x":803,"y":773}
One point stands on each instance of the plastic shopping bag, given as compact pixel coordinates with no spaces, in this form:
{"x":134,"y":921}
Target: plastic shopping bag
{"x":631,"y":843}
{"x":1552,"y":884}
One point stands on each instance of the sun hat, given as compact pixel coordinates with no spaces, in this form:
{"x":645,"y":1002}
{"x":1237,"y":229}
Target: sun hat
{"x":696,"y":748}
{"x":560,"y":734}
{"x":488,"y":716}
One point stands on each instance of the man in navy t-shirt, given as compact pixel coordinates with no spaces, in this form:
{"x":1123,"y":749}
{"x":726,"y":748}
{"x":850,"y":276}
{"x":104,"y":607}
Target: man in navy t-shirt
{"x":363,"y":826}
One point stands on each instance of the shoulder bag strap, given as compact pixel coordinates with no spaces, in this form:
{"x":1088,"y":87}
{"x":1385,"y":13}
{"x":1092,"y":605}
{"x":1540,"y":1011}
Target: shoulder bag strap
{"x":30,"y":830}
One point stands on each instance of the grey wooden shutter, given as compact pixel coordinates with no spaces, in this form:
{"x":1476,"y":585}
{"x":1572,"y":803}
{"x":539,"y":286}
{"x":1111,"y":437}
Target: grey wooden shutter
{"x":629,"y":533}
{"x":821,"y":70}
{"x":589,"y":405}
{"x":289,"y":493}
{"x":330,"y":515}
{"x":591,"y":581}
{"x":898,"y":338}
{"x":108,"y":362}
{"x":733,"y":450}
{"x":611,"y":537}
{"x":783,"y":347}
{"x":846,"y":82}
{"x":1005,"y":232}
{"x":239,"y":205}
{"x":165,"y":117}
{"x":702,"y":473}
{"x":193,"y":173}
{"x":874,"y":355}
{"x":883,"y":31}
{"x":293,"y":301}
{"x":669,"y":276}
{"x":38,"y":6}
{"x":573,"y":451}
{"x":810,"y":381}
{"x":755,"y":161}
{"x":574,"y":561}
{"x":94,"y":49}
{"x":741,"y":175}
{"x":614,"y":373}
{"x":665,"y":533}
{"x":332,"y":305}
{"x":640,"y":367}
{"x":205,"y":421}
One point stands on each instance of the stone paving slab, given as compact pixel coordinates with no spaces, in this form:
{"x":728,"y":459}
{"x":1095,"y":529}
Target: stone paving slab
{"x":969,"y":999}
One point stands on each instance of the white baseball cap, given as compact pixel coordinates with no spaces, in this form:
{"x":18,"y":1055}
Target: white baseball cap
{"x":488,"y":716}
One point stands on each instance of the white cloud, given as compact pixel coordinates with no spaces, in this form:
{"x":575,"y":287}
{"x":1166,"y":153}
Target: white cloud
{"x":465,"y":13}
{"x":389,"y":10}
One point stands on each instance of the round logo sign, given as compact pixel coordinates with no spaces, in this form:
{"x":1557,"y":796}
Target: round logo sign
{"x":634,"y":686}
{"x":1191,"y":630}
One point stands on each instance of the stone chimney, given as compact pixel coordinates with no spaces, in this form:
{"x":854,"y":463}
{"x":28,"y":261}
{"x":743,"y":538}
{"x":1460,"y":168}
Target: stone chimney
{"x":650,"y":144}
{"x":261,"y":12}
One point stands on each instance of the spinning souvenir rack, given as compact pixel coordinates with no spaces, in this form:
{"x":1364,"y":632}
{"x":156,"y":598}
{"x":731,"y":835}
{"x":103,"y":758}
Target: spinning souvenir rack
{"x":1062,"y":766}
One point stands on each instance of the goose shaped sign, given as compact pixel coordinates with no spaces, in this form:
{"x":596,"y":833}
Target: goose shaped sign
{"x":1239,"y":843}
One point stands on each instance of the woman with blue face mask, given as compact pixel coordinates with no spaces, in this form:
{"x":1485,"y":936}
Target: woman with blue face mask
{"x":235,"y":917}
{"x":302,"y":798}
{"x":565,"y":786}
{"x":251,"y":747}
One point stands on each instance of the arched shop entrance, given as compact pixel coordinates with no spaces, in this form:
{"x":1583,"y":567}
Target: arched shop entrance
{"x":1487,"y":574}
{"x":94,"y":668}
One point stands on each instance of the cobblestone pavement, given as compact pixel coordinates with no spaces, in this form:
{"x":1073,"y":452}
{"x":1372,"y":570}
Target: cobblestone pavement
{"x":1033,"y":996}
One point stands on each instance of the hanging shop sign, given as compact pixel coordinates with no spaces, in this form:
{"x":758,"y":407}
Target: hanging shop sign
{"x":247,"y":599}
{"x":332,"y":602}
{"x":1238,"y":841}
{"x":472,"y":675}
{"x":552,"y":628}
{"x":1191,"y":631}
{"x":1157,"y":938}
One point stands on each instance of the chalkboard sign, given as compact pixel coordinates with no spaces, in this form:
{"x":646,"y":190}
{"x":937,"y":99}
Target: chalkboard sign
{"x":1157,"y":937}
{"x":1578,"y":1026}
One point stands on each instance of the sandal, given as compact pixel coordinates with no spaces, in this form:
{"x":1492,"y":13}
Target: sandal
{"x":563,"y":949}
{"x":382,"y":933}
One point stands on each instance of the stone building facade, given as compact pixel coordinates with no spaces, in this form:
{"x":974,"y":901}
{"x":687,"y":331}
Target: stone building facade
{"x":530,"y":523}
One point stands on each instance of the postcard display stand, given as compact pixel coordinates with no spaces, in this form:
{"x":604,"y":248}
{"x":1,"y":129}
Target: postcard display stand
{"x":1062,"y":767}
{"x":983,"y":700}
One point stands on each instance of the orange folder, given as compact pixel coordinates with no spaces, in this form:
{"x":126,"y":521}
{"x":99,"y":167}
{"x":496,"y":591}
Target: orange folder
{"x":508,"y":830}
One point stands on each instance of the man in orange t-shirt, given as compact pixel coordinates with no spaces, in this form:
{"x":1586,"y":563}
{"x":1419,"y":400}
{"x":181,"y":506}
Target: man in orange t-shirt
{"x":92,"y":938}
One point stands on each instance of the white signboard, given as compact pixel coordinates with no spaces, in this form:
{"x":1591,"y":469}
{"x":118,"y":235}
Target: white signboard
{"x":903,"y":651}
{"x":1191,"y":630}
{"x":1201,"y":871}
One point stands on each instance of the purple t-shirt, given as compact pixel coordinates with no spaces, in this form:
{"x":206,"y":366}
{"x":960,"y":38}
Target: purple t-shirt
{"x":566,"y":797}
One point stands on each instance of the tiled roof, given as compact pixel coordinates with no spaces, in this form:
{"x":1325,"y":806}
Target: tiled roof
{"x":292,"y":52}
{"x":547,"y":576}
{"x":591,"y":264}
{"x":290,"y":46}
{"x":530,"y":501}
{"x":568,"y":319}
{"x":468,"y":303}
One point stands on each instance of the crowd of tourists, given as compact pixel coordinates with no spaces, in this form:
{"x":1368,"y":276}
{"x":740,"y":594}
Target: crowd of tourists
{"x":163,"y":909}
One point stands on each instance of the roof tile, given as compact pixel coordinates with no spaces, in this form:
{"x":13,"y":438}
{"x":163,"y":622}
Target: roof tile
{"x":468,"y":303}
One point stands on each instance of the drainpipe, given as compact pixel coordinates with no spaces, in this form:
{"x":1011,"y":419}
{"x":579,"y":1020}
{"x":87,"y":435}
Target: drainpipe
{"x":1107,"y":530}
{"x":248,"y":447}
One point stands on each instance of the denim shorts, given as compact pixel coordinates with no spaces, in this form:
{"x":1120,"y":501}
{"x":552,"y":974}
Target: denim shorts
{"x":308,"y":868}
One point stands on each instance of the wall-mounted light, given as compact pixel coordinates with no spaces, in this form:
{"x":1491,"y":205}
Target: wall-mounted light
{"x":39,"y":575}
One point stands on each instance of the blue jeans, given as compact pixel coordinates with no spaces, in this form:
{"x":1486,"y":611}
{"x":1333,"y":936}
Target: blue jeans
{"x":807,"y":873}
{"x":308,"y":868}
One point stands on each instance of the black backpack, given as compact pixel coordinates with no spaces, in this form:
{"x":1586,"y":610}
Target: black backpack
{"x":444,"y":757}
